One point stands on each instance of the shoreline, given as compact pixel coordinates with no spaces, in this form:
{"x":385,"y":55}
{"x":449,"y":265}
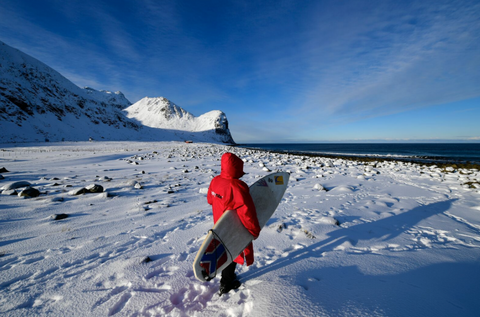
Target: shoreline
{"x":441,"y":162}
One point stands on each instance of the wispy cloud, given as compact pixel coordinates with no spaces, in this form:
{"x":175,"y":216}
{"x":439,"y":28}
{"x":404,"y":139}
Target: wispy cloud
{"x":422,"y":57}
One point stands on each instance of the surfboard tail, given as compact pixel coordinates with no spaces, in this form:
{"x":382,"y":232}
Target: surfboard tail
{"x":214,"y":257}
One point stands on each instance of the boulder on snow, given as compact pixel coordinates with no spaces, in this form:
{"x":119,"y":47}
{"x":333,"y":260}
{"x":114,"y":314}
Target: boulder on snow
{"x":309,"y":234}
{"x":15,"y":185}
{"x":94,"y":188}
{"x":59,"y":216}
{"x":29,"y":192}
{"x":151,"y":202}
{"x":78,"y":191}
{"x":329,"y":221}
{"x":4,"y":170}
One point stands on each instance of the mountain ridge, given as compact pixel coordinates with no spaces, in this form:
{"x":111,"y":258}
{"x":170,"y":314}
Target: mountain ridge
{"x":37,"y":103}
{"x":160,"y":112}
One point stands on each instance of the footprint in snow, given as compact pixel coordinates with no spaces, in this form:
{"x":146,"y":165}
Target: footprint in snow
{"x":162,"y":272}
{"x":190,"y":300}
{"x":182,"y":257}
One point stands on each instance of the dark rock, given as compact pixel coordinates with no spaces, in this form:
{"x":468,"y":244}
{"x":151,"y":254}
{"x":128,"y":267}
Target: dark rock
{"x":29,"y":192}
{"x":59,"y":216}
{"x":94,"y":188}
{"x":147,"y":260}
{"x":4,"y":170}
{"x":77,"y":192}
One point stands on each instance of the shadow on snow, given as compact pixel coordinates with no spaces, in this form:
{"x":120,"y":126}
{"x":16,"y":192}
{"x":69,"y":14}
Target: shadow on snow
{"x":442,"y":289}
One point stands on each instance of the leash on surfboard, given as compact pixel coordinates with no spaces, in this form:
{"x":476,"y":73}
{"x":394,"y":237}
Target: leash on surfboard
{"x":215,"y":240}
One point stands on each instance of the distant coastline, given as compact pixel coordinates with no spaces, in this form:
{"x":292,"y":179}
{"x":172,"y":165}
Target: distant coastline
{"x":459,"y":155}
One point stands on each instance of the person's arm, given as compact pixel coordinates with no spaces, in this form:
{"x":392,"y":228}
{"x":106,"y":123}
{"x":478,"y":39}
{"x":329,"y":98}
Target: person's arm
{"x":246,"y":209}
{"x":209,"y":195}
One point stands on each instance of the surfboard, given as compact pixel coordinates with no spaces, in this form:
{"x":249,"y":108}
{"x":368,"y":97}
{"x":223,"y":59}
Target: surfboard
{"x":228,"y":237}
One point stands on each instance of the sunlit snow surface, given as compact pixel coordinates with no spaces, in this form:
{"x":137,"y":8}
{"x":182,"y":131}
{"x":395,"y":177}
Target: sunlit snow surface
{"x":407,"y":243}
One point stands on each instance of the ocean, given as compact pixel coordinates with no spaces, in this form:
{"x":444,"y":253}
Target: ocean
{"x":449,"y":152}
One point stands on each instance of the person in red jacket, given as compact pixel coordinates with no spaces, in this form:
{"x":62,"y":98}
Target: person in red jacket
{"x":228,"y":192}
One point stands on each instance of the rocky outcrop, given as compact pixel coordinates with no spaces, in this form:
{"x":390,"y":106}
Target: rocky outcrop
{"x":162,"y":113}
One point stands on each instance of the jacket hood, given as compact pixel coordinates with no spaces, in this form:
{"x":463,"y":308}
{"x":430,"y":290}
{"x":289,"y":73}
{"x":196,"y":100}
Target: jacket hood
{"x":232,"y":166}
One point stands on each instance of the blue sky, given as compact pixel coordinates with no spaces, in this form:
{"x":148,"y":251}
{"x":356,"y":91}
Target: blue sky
{"x":282,"y":71}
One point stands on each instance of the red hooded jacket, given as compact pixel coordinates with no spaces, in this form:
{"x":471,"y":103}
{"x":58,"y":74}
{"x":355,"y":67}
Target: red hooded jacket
{"x":228,"y":192}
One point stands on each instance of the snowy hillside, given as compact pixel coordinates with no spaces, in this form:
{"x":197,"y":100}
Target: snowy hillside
{"x":37,"y":104}
{"x":116,"y":99}
{"x":162,"y":113}
{"x":348,"y":239}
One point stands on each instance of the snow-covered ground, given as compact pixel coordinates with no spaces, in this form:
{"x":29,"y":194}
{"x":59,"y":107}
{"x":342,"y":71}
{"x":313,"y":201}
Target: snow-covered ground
{"x":407,"y":241}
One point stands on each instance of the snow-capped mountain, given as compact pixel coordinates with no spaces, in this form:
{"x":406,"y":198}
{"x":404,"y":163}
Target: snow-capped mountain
{"x":162,"y":113}
{"x":37,"y":104}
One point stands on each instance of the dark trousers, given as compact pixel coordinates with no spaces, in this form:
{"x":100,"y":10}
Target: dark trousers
{"x":228,"y":274}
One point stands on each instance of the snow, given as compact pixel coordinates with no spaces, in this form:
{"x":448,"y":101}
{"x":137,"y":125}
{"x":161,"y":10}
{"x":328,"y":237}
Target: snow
{"x":162,"y":113}
{"x":159,"y":112}
{"x":402,"y":240}
{"x":118,"y":98}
